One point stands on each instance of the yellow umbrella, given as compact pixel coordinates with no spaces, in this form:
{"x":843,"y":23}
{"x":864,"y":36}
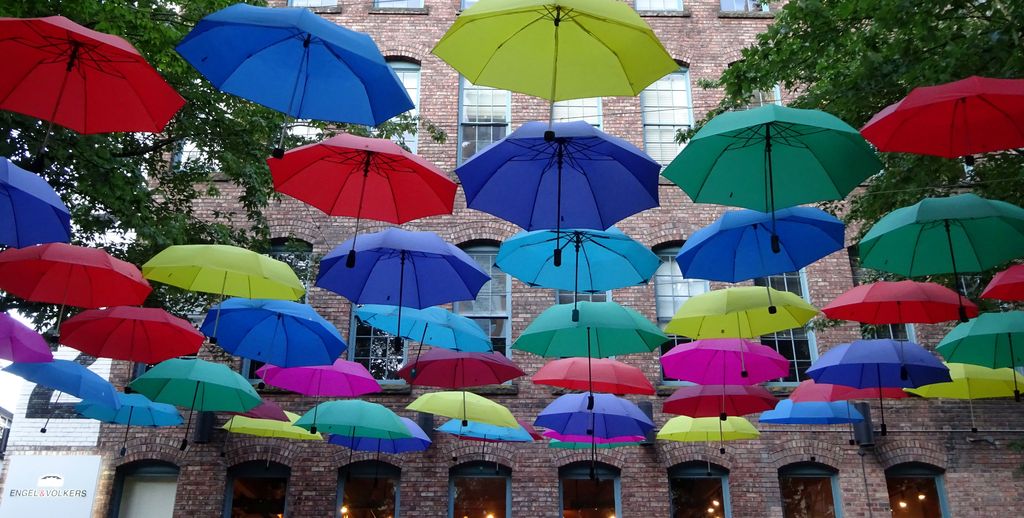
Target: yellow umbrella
{"x":742,"y":312}
{"x":270,"y":428}
{"x":465,"y":406}
{"x":972,"y":382}
{"x":707,"y":429}
{"x":224,"y":270}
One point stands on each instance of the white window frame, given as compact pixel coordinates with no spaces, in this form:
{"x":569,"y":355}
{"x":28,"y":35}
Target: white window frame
{"x":563,"y":111}
{"x":638,"y":5}
{"x":404,"y":66}
{"x":812,"y":341}
{"x":493,"y":250}
{"x":463,"y":82}
{"x":668,"y":254}
{"x":350,"y":353}
{"x":685,"y":72}
{"x":748,"y":8}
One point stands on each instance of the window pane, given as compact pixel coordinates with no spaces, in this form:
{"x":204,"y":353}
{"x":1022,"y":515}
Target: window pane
{"x":479,"y":496}
{"x":484,"y":117}
{"x":665,"y":108}
{"x":807,"y":497}
{"x":381,"y":353}
{"x":367,"y":497}
{"x":914,"y":497}
{"x":297,"y":254}
{"x":587,"y":110}
{"x":794,"y":344}
{"x":258,"y":497}
{"x":586,"y":498}
{"x":492,"y":308}
{"x":743,"y":5}
{"x":659,"y":5}
{"x":885,"y":331}
{"x":671,"y":290}
{"x":697,"y":498}
{"x":148,"y":495}
{"x":566,"y":297}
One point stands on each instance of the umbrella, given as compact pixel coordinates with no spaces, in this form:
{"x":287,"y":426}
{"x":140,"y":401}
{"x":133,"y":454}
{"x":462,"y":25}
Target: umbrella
{"x":393,"y":185}
{"x":877,"y":364}
{"x":147,"y":335}
{"x":973,"y":382}
{"x":611,"y":416}
{"x":987,"y":341}
{"x":583,"y":179}
{"x":707,"y":429}
{"x":902,"y":302}
{"x":418,"y":441}
{"x":719,"y":400}
{"x":354,"y":418}
{"x":962,"y":233}
{"x":811,"y":412}
{"x":961,"y":118}
{"x":601,"y":375}
{"x":741,"y":312}
{"x":197,"y":384}
{"x":729,"y":361}
{"x":434,"y":326}
{"x":588,"y":439}
{"x":270,"y":428}
{"x":33,"y":212}
{"x":810,"y":390}
{"x":297,"y":63}
{"x":569,"y":445}
{"x":454,"y":370}
{"x":487,"y":432}
{"x":267,"y":409}
{"x":1006,"y":285}
{"x":279,"y":332}
{"x":20,"y":344}
{"x":343,"y":378}
{"x":464,"y":406}
{"x":135,"y":409}
{"x":68,"y":377}
{"x":738,"y":246}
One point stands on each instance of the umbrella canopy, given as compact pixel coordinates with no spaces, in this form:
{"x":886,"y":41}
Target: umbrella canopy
{"x":741,"y":312}
{"x":32,"y":211}
{"x":197,"y":384}
{"x":343,"y":378}
{"x":224,"y":270}
{"x":58,"y":273}
{"x":267,"y":409}
{"x":604,"y":329}
{"x":811,"y":412}
{"x":610,"y":416}
{"x":70,"y":378}
{"x":279,"y":332}
{"x":20,"y":344}
{"x":724,"y":361}
{"x":134,"y":410}
{"x":1006,"y":285}
{"x":354,"y":418}
{"x":604,"y":375}
{"x":297,"y":63}
{"x":270,"y":428}
{"x":719,"y":400}
{"x":810,"y":390}
{"x":588,"y":439}
{"x":903,"y":302}
{"x":972,"y":382}
{"x":147,"y":335}
{"x":417,"y":442}
{"x":878,"y":363}
{"x":569,"y":445}
{"x":987,"y":341}
{"x":738,"y":246}
{"x":965,"y":117}
{"x":707,"y":429}
{"x":453,"y":370}
{"x":434,"y":326}
{"x":464,"y":406}
{"x":564,"y":50}
{"x":486,"y":432}
{"x":91,"y":82}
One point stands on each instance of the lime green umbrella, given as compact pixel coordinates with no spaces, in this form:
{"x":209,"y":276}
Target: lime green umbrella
{"x":972,"y":382}
{"x":273,"y":428}
{"x":464,"y":406}
{"x":741,"y":312}
{"x":354,"y":418}
{"x":197,"y":385}
{"x":987,"y":341}
{"x":707,"y":429}
{"x":604,"y":329}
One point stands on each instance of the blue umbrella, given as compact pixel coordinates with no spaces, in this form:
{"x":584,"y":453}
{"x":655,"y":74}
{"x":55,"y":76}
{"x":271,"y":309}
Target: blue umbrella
{"x":611,"y":416}
{"x":30,"y":211}
{"x":279,"y":332}
{"x":68,"y":377}
{"x":135,"y":409}
{"x":740,"y":245}
{"x":418,"y":442}
{"x":485,"y":432}
{"x":579,"y":177}
{"x":812,"y":412}
{"x":431,"y":326}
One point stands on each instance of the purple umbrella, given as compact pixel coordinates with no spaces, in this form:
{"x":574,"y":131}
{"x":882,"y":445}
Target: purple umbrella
{"x":266,"y":410}
{"x":341,"y":379}
{"x":19,"y":343}
{"x":418,"y":442}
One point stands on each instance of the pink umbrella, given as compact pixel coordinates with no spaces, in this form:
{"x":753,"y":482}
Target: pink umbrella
{"x":266,"y":410}
{"x":19,"y":343}
{"x":341,"y":379}
{"x":551,"y":434}
{"x":724,"y":361}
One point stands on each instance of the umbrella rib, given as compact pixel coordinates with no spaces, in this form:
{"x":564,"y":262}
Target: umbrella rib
{"x":362,"y":84}
{"x":290,"y":36}
{"x":1008,"y":117}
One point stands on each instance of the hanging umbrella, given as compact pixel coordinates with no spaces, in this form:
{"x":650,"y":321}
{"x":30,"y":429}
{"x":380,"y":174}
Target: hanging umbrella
{"x":343,"y":378}
{"x":32,"y":211}
{"x":586,"y":445}
{"x":810,"y":390}
{"x":707,"y":429}
{"x":455,"y":370}
{"x":464,"y":406}
{"x":728,"y":361}
{"x":418,"y":441}
{"x":1006,"y":285}
{"x":610,"y":416}
{"x":602,"y":375}
{"x":973,"y":382}
{"x":20,"y":344}
{"x":354,"y":418}
{"x":741,"y":312}
{"x":267,"y":409}
{"x":487,"y":432}
{"x":68,"y":377}
{"x":135,"y":410}
{"x":903,"y":302}
{"x":146,"y":335}
{"x":738,"y":245}
{"x":588,"y":439}
{"x":719,"y":400}
{"x":270,"y":428}
{"x":811,"y":412}
{"x":197,"y":385}
{"x":434,"y":326}
{"x":279,"y":332}
{"x":987,"y":341}
{"x":962,"y":118}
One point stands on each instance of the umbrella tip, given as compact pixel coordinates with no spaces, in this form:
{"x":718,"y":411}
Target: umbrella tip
{"x":772,"y":310}
{"x":123,"y":451}
{"x":184,"y":444}
{"x":213,"y":340}
{"x":723,"y":416}
{"x":128,"y":389}
{"x":350,"y":259}
{"x":575,"y":315}
{"x":549,"y":136}
{"x":743,"y":373}
{"x":558,"y":257}
{"x":776,"y":247}
{"x":277,"y":153}
{"x":974,"y":429}
{"x":963,"y":314}
{"x":465,"y":423}
{"x":42,"y":430}
{"x":312,"y":429}
{"x":721,"y":451}
{"x":885,"y":430}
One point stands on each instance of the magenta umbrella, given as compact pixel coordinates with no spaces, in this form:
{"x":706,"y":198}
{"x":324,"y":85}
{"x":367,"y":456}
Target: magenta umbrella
{"x":341,"y":379}
{"x":19,"y":343}
{"x":724,"y":361}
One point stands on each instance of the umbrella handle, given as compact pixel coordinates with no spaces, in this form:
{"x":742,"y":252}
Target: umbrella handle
{"x":549,"y":135}
{"x":961,"y":310}
{"x":124,"y":442}
{"x":350,"y":260}
{"x":47,"y":423}
{"x":38,"y":164}
{"x":191,"y":410}
{"x":559,"y":159}
{"x":770,"y":180}
{"x":576,"y":281}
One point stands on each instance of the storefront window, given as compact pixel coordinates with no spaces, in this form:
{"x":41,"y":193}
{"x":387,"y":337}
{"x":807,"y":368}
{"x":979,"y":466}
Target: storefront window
{"x":145,"y":488}
{"x":916,"y":491}
{"x":368,"y":490}
{"x":809,"y":490}
{"x":480,"y":490}
{"x":257,"y":489}
{"x":699,"y":490}
{"x":583,"y":496}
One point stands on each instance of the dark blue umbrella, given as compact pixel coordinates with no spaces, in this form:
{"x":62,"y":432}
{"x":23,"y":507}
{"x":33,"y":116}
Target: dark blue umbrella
{"x":811,"y":412}
{"x":579,"y":178}
{"x":740,"y":245}
{"x":279,"y":332}
{"x":68,"y":377}
{"x":31,"y":213}
{"x":418,"y":442}
{"x":135,"y":410}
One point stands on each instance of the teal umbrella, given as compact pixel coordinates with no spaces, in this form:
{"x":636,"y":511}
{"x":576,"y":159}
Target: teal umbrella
{"x":988,"y":341}
{"x":354,"y":418}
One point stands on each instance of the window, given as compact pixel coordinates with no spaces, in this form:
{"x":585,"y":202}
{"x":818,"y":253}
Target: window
{"x":145,"y":488}
{"x":797,"y":345}
{"x":249,"y":368}
{"x":467,"y":3}
{"x":902,"y":332}
{"x":312,"y":3}
{"x":659,"y":5}
{"x":762,"y":97}
{"x":492,"y":309}
{"x":916,"y":491}
{"x":368,"y":490}
{"x":584,"y":497}
{"x":381,"y":353}
{"x":409,"y":74}
{"x":671,"y":290}
{"x":256,"y":489}
{"x":809,"y":490}
{"x":480,"y":490}
{"x":699,"y":490}
{"x":566,"y":296}
{"x":484,"y":116}
{"x":587,"y":110}
{"x":397,"y":4}
{"x":188,"y":154}
{"x":298,"y":255}
{"x":665,"y":109}
{"x":747,"y":6}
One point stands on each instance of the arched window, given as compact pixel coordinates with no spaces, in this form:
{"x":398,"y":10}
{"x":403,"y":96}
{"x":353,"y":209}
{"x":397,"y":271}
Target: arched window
{"x":584,"y":496}
{"x":368,"y":489}
{"x":671,"y":290}
{"x":257,"y":488}
{"x":665,"y":109}
{"x":916,"y":490}
{"x":144,"y":488}
{"x":809,"y":490}
{"x":492,"y":308}
{"x":699,"y":490}
{"x":480,"y":490}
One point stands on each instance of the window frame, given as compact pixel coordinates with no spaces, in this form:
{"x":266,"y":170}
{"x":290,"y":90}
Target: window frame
{"x":327,"y":3}
{"x":459,"y":158}
{"x":764,"y":7}
{"x":670,"y":251}
{"x":813,"y":470}
{"x":812,"y":340}
{"x":488,"y":248}
{"x":698,"y":469}
{"x":383,"y":4}
{"x":148,"y":467}
{"x":685,"y":71}
{"x":581,"y":471}
{"x":479,"y":469}
{"x":350,"y":352}
{"x":600,"y":111}
{"x":680,"y":7}
{"x":255,"y":469}
{"x":369,"y":469}
{"x":922,"y":470}
{"x":588,"y":294}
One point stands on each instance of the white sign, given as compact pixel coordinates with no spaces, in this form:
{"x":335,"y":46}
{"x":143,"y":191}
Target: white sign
{"x":50,"y":485}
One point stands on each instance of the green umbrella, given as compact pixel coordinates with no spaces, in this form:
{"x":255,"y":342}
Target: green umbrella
{"x":988,"y":341}
{"x":772,"y":157}
{"x":354,"y":418}
{"x":197,"y":385}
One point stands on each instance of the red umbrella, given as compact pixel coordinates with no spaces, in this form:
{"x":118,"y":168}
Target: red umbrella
{"x":449,"y":369}
{"x":60,"y":273}
{"x":719,"y":400}
{"x":903,"y":302}
{"x":609,"y":376}
{"x":1006,"y":285}
{"x":811,"y":391}
{"x":148,"y":335}
{"x":962,"y":118}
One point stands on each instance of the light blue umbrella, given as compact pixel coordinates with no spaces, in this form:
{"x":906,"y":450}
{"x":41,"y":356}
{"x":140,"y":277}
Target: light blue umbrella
{"x":812,"y":412}
{"x":69,"y":377}
{"x":485,"y":432}
{"x":135,"y":409}
{"x":431,"y":326}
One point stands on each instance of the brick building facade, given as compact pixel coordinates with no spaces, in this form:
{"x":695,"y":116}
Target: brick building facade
{"x":973,"y":473}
